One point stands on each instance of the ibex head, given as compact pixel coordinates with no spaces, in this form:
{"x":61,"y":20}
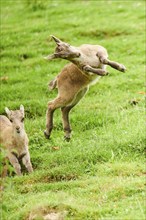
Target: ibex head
{"x":16,"y":118}
{"x":63,"y":50}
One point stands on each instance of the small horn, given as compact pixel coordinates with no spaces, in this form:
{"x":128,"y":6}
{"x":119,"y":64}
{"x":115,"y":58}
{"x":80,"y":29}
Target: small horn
{"x":56,"y":39}
{"x":8,"y":112}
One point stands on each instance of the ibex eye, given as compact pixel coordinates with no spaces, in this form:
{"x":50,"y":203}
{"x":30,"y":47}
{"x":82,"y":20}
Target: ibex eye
{"x":11,"y":120}
{"x":59,"y":49}
{"x":22,"y":119}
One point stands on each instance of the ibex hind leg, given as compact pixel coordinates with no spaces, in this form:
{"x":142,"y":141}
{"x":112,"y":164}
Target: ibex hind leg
{"x":66,"y":123}
{"x":65,"y":113}
{"x":59,"y":102}
{"x":113,"y":64}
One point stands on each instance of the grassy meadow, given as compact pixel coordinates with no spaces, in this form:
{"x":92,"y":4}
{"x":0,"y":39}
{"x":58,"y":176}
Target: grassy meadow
{"x":100,"y":173}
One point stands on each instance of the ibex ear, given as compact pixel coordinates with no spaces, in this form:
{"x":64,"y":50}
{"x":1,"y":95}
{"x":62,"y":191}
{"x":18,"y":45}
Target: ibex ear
{"x":22,"y":109}
{"x":8,"y":112}
{"x":57,"y":41}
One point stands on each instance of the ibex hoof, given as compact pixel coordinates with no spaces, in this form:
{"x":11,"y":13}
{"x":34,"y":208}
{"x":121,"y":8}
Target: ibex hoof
{"x":67,"y":138}
{"x":107,"y":73}
{"x":46,"y":135}
{"x":122,"y":68}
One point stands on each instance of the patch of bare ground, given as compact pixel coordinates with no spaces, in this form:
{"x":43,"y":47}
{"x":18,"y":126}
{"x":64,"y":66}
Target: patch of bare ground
{"x":47,"y":213}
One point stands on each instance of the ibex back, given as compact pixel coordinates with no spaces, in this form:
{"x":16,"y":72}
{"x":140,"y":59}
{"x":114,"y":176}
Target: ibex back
{"x":88,"y":65}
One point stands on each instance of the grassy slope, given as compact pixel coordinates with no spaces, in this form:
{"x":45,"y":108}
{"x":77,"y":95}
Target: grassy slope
{"x":99,"y":174}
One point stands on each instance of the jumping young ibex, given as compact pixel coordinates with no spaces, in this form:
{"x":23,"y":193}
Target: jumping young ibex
{"x":14,"y":139}
{"x":88,"y":65}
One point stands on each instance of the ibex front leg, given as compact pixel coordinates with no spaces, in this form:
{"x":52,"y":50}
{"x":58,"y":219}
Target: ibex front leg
{"x":113,"y":64}
{"x":89,"y":69}
{"x":15,"y":163}
{"x":27,"y":162}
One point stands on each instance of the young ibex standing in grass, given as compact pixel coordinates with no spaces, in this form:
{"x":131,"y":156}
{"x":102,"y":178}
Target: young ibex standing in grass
{"x":88,"y":65}
{"x":14,"y":139}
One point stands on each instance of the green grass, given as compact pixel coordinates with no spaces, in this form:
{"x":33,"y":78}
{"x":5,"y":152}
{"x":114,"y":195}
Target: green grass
{"x":99,"y":174}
